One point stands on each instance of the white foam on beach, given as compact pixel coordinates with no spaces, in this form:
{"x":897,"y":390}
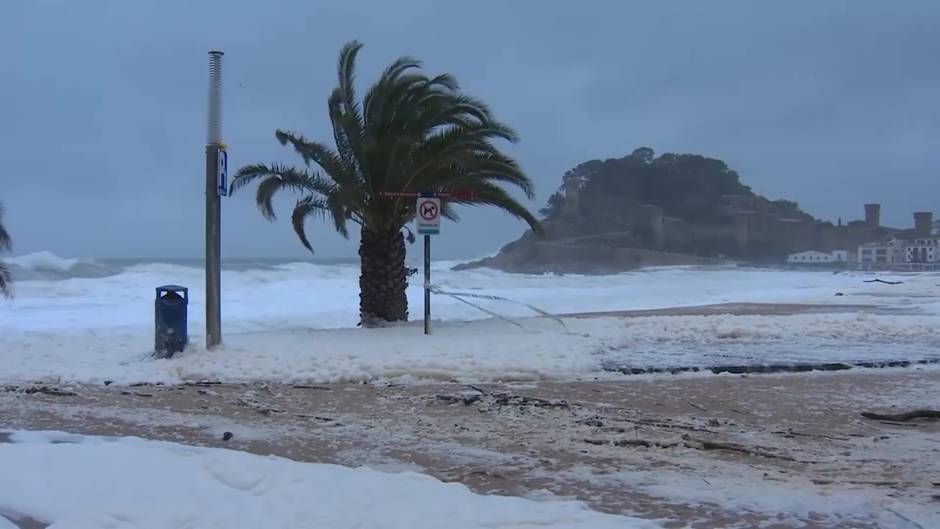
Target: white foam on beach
{"x":790,"y":500}
{"x":81,"y":482}
{"x":298,"y":322}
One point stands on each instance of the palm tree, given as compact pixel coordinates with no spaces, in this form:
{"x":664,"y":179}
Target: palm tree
{"x":6,"y":282}
{"x":410,"y":133}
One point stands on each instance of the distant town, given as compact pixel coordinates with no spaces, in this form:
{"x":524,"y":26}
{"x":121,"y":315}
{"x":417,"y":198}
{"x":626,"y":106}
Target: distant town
{"x":913,"y":249}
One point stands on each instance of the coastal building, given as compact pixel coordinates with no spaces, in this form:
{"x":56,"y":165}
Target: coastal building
{"x":816,"y":257}
{"x":886,"y":252}
{"x":922,"y":251}
{"x":910,"y":249}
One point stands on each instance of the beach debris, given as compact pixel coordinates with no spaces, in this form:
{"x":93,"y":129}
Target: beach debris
{"x":465,"y":399}
{"x":136,"y":393}
{"x":227,"y":435}
{"x":202,"y":383}
{"x":500,"y":398}
{"x":42,"y":389}
{"x":902,"y":417}
{"x":310,"y":386}
{"x":878,"y":280}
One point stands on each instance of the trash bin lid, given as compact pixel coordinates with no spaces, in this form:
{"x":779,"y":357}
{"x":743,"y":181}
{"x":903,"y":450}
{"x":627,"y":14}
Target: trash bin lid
{"x":172,"y":288}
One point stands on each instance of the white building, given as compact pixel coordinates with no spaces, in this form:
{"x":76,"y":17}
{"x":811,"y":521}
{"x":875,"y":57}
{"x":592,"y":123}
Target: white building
{"x":889,"y":251}
{"x":914,"y":254}
{"x":815,"y":257}
{"x":922,"y":251}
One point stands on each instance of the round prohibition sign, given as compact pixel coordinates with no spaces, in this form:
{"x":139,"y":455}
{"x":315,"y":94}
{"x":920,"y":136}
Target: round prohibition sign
{"x":428,"y":210}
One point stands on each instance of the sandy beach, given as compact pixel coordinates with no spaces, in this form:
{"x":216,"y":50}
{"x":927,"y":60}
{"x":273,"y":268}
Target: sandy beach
{"x":698,"y":451}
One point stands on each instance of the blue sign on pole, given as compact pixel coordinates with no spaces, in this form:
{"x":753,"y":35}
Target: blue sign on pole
{"x":222,"y":173}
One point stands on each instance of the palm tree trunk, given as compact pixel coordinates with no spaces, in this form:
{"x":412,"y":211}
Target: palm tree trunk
{"x":382,"y":278}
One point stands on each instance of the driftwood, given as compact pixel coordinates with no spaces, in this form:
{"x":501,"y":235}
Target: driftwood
{"x":883,"y":281}
{"x":308,"y":386}
{"x":523,"y":400}
{"x":902,"y":417}
{"x":45,"y":390}
{"x":137,"y":393}
{"x":200,"y":383}
{"x":466,"y":400}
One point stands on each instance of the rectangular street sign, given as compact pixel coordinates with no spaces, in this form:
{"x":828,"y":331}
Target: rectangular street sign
{"x":222,"y":173}
{"x":428,"y":216}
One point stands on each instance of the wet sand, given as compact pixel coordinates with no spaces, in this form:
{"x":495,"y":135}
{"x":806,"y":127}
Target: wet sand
{"x":594,"y":441}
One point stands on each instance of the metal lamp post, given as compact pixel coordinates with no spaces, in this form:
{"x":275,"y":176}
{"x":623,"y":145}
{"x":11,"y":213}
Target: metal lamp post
{"x":214,"y":189}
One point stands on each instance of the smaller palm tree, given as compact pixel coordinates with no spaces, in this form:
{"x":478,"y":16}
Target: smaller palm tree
{"x":6,"y":281}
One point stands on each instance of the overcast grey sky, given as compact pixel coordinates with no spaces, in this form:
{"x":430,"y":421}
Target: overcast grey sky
{"x":102,"y":104}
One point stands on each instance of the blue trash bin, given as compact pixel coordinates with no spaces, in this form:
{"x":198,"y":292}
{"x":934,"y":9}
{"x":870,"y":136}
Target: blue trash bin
{"x":169,"y":321}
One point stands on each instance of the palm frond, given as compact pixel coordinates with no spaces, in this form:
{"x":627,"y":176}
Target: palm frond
{"x":491,"y":195}
{"x":313,"y":151}
{"x":276,"y":177}
{"x":348,"y":143}
{"x":346,"y":74}
{"x":338,"y":213}
{"x":305,"y":207}
{"x":377,"y":95}
{"x":488,"y":167}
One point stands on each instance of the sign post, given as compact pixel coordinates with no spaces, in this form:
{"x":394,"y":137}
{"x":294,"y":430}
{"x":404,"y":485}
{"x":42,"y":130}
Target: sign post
{"x":216,"y":174}
{"x":428,"y":221}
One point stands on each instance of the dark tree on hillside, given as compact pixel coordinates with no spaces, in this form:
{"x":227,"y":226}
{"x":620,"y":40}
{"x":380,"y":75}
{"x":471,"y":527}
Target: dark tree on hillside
{"x":686,"y":186}
{"x":6,"y":282}
{"x":409,"y":133}
{"x":643,"y":154}
{"x":553,"y":209}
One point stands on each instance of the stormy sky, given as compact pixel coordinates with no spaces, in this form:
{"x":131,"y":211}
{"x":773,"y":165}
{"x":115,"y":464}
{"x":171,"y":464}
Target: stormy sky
{"x":102,"y":104}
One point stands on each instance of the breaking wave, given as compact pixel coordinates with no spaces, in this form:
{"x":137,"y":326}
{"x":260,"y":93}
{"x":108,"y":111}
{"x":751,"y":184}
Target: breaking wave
{"x":47,"y":265}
